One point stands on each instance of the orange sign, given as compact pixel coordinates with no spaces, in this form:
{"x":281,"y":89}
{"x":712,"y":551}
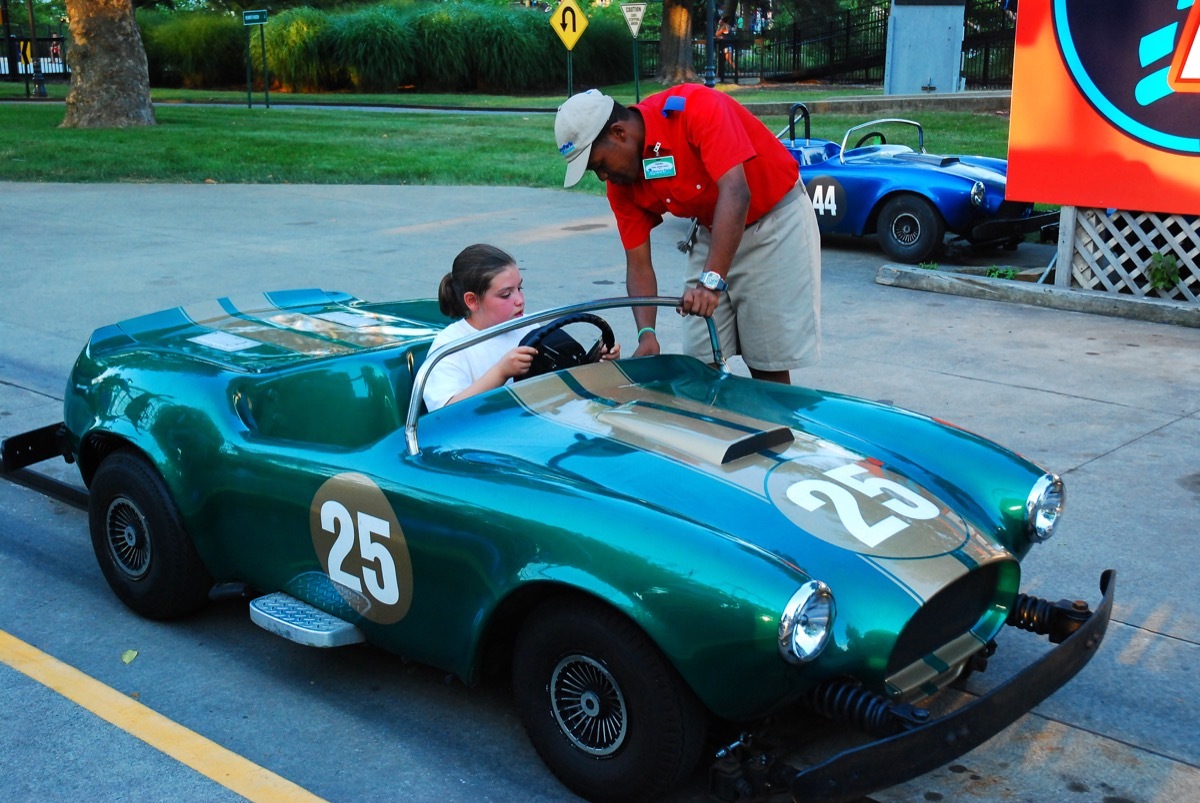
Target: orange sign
{"x":1106,"y":105}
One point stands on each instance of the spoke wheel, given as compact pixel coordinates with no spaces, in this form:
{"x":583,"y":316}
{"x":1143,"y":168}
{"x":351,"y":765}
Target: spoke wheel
{"x":910,"y":229}
{"x":603,"y":707}
{"x":128,"y":540}
{"x":588,"y":705}
{"x":140,"y":543}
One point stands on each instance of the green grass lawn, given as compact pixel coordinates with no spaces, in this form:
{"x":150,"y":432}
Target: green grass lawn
{"x":196,"y":141}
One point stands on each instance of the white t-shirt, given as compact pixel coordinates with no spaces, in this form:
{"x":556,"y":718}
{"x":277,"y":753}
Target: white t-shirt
{"x":457,"y":372}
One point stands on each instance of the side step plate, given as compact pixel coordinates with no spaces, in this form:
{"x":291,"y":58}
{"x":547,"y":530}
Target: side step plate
{"x":297,"y":621}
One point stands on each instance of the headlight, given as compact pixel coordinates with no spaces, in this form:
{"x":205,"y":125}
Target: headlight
{"x":806,"y":622}
{"x":1044,"y":506}
{"x":978,"y":193}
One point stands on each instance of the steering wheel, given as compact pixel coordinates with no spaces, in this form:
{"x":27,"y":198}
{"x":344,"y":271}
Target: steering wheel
{"x":558,"y":350}
{"x":868,"y":137}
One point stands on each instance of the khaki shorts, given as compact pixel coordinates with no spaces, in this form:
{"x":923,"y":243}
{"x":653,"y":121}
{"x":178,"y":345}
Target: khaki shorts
{"x":771,"y":313}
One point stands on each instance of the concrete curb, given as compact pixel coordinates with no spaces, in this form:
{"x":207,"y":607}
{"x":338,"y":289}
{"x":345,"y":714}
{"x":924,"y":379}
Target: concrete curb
{"x":875,"y":105}
{"x":1039,"y":295}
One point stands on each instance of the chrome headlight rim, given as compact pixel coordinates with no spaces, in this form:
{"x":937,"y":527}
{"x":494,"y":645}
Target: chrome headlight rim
{"x":806,"y":622}
{"x":1044,"y":507}
{"x":978,"y":193}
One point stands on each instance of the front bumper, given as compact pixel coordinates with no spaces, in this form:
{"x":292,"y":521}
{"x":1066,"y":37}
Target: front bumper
{"x":900,"y":758}
{"x":1002,"y":229}
{"x":927,"y":745}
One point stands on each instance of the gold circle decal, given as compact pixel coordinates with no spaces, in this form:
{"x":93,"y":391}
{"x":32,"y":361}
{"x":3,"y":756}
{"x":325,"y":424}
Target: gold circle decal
{"x":362,"y":548}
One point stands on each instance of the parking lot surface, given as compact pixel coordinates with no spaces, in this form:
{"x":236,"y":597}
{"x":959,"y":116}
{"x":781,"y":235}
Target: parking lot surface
{"x":1113,"y":405}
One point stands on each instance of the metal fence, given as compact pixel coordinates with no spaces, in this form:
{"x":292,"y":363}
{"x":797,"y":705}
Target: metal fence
{"x":989,"y":44}
{"x":18,"y":54}
{"x":849,"y":47}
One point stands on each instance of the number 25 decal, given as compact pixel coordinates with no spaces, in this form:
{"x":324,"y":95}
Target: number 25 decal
{"x":378,"y":568}
{"x":813,"y":494}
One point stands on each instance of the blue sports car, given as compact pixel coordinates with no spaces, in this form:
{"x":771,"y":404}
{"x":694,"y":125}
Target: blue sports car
{"x":910,"y":198}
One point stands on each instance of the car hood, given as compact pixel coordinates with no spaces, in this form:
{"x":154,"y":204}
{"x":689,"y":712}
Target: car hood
{"x":971,"y":168}
{"x":734,"y":464}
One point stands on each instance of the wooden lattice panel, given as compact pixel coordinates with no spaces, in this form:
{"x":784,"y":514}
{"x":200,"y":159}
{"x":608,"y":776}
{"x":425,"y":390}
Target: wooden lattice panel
{"x":1114,"y":252}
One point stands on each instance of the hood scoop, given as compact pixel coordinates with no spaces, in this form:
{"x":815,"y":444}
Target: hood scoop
{"x":928,"y":158}
{"x":702,"y":437}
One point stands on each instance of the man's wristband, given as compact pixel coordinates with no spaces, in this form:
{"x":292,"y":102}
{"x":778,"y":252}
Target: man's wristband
{"x":644,"y":330}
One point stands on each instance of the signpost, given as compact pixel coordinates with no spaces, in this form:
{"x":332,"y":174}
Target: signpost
{"x":569,"y":22}
{"x":633,"y":18}
{"x":258,"y":18}
{"x":39,"y":82}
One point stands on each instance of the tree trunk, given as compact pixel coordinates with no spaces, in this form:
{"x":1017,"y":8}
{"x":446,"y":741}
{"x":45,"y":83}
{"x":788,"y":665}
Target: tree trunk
{"x":110,"y":84}
{"x":675,"y":45}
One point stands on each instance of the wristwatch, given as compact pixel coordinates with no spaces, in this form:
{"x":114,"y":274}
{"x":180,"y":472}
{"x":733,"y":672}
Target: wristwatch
{"x":713,"y":281}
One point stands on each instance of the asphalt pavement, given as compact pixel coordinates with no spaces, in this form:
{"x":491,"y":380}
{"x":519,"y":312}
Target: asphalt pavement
{"x":1111,"y":404}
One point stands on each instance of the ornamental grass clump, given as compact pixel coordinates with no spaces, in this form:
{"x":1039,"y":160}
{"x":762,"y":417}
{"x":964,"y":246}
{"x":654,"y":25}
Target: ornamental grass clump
{"x":375,"y":48}
{"x":445,"y":46}
{"x":193,"y":49}
{"x":507,"y":54}
{"x":298,"y":51}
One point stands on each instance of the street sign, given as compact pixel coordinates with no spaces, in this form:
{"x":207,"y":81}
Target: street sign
{"x":568,"y":22}
{"x":254,"y":17}
{"x":633,"y":16}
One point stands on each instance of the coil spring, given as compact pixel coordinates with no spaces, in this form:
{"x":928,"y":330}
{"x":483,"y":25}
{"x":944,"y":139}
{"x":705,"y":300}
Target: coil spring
{"x":1031,"y":614}
{"x":863,"y":709}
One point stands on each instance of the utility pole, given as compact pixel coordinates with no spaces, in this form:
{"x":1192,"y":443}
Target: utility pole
{"x":39,"y":80}
{"x":710,"y":73}
{"x":10,"y":51}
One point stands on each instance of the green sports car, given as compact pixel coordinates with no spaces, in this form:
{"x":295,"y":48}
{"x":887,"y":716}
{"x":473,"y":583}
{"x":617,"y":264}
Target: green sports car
{"x":662,"y":553}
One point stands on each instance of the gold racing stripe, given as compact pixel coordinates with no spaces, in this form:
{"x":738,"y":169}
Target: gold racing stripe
{"x":922,"y":673}
{"x":697,"y":441}
{"x":936,"y":552}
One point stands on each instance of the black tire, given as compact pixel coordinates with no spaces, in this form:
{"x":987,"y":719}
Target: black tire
{"x":143,"y":551}
{"x":604,"y":709}
{"x":910,"y":229}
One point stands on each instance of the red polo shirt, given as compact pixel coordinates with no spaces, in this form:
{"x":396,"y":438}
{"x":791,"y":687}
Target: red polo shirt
{"x":707,"y":133}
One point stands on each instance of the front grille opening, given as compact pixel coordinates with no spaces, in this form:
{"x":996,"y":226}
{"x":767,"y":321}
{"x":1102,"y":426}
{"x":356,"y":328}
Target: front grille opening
{"x":947,"y":615}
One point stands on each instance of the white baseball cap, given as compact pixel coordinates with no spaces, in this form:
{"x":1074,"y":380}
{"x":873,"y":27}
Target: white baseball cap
{"x":578,"y":122}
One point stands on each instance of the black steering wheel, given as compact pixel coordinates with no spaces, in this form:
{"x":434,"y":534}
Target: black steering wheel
{"x":868,"y":137}
{"x":558,"y":350}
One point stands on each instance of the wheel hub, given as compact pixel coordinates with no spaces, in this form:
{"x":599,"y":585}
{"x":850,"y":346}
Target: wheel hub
{"x":128,"y":539}
{"x":588,"y":705}
{"x":906,"y":229}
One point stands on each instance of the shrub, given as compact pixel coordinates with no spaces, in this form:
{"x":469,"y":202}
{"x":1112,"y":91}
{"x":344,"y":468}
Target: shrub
{"x":375,"y":47}
{"x":193,"y":49}
{"x":298,"y":51}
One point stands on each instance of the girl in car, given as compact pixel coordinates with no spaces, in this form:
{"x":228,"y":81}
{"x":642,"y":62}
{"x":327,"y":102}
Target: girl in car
{"x":482,"y":289}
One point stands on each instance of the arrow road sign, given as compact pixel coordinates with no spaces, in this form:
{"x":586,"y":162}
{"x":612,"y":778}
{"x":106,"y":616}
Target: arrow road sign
{"x":568,"y":22}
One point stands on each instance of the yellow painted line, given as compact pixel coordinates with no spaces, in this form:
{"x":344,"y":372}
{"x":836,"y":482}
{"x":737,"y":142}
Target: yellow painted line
{"x":203,"y":755}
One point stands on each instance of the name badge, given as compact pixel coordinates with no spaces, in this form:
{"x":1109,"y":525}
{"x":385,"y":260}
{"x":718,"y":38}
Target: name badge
{"x":658,"y":167}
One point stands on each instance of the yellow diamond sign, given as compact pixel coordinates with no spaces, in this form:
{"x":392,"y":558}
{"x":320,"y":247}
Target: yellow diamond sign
{"x":568,"y":22}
